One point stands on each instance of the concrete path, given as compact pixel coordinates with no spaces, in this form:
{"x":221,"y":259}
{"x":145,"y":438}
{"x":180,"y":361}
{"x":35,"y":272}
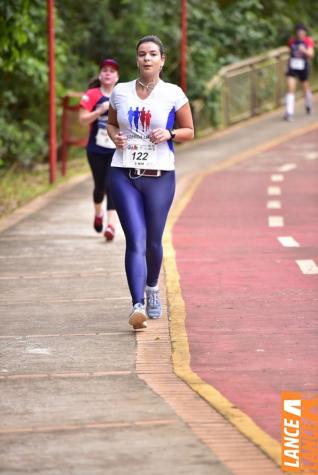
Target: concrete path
{"x":77,"y":395}
{"x":71,"y":399}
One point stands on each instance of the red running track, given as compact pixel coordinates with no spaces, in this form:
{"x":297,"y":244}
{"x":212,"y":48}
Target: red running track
{"x":251,"y":313}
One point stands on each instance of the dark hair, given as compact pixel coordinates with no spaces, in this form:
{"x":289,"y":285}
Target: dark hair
{"x":301,"y":26}
{"x":94,"y":82}
{"x":152,"y":39}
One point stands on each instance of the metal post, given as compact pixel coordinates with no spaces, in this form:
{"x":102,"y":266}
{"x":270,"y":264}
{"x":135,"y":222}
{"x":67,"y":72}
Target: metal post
{"x":183,"y":71}
{"x":226,"y":110}
{"x":64,"y":144}
{"x":278,"y":89}
{"x":52,"y":111}
{"x":252,"y":75}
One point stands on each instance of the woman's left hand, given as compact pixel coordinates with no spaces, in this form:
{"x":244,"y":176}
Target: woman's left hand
{"x":159,"y":135}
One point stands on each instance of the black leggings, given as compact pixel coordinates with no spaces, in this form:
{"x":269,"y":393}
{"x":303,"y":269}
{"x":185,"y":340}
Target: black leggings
{"x":100,"y":166}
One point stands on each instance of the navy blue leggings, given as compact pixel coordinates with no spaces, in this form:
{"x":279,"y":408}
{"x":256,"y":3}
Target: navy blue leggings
{"x":142,"y":205}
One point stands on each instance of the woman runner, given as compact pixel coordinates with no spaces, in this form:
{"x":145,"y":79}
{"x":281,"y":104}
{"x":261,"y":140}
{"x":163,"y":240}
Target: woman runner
{"x":100,"y":148}
{"x":140,"y":122}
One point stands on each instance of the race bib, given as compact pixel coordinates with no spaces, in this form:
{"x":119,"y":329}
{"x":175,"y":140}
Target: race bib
{"x":140,"y":154}
{"x":103,"y":139}
{"x":297,"y":63}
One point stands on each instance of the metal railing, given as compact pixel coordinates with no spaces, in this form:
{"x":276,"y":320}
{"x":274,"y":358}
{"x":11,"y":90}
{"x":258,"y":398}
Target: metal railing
{"x":244,"y":89}
{"x":73,"y":134}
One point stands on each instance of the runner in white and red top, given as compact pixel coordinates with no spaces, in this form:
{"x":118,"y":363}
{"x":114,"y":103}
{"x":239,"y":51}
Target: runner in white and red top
{"x":141,"y":121}
{"x":301,"y":50}
{"x":100,"y":148}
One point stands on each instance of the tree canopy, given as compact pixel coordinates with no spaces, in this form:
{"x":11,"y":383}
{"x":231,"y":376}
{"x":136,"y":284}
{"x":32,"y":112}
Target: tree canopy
{"x":219,"y":33}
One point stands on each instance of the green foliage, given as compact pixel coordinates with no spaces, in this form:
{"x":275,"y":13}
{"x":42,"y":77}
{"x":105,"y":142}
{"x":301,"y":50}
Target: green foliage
{"x":111,"y":28}
{"x":23,"y":78}
{"x":22,"y":141}
{"x":219,"y":32}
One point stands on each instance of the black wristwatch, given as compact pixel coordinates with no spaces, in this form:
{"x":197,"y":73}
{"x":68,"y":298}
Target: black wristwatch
{"x":172,"y":133}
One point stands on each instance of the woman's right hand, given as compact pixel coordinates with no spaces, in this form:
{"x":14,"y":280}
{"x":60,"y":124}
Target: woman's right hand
{"x":120,"y":140}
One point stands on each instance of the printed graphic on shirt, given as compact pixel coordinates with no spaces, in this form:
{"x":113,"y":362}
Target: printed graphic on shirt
{"x":139,"y":119}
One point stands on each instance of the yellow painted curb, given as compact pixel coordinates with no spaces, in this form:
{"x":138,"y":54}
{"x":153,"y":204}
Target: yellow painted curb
{"x":179,"y":338}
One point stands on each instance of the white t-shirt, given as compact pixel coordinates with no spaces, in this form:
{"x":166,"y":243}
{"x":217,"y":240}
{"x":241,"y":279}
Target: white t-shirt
{"x":138,"y":117}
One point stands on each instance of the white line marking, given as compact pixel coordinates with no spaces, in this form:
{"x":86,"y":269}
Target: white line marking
{"x":274,"y":204}
{"x":38,"y":351}
{"x":307,"y":266}
{"x":275,"y":221}
{"x":287,"y":167}
{"x":311,"y":156}
{"x":274,"y":191}
{"x":277,"y":178}
{"x":288,"y":241}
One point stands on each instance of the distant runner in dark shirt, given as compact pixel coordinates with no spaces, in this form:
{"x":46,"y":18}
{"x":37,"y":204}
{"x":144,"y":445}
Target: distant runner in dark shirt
{"x":301,"y":50}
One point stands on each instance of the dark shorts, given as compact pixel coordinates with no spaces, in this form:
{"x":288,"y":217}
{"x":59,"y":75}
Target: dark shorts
{"x":302,"y":74}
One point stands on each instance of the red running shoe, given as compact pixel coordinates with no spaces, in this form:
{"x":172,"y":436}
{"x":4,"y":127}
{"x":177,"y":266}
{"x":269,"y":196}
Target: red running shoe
{"x":98,"y":224}
{"x":109,"y":233}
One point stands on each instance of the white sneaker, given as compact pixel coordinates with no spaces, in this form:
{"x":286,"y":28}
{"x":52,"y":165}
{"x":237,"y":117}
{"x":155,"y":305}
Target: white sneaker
{"x":138,"y":317}
{"x":153,"y":307}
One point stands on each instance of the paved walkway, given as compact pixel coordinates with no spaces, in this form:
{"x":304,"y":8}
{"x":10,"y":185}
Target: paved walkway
{"x":247,"y":255}
{"x":77,"y":395}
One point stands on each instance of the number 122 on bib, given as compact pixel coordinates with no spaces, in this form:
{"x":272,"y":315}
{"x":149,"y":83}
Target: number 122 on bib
{"x":140,"y":156}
